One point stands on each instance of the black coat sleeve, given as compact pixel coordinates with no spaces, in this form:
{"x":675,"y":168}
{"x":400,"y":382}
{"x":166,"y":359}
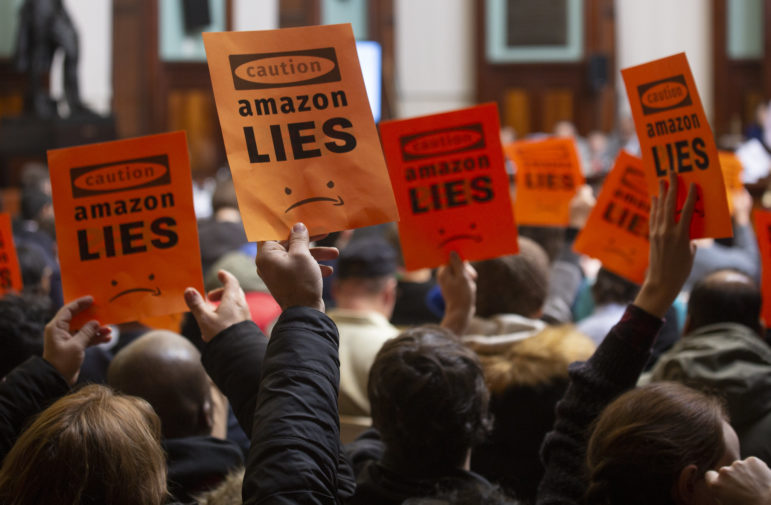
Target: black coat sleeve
{"x":26,"y":391}
{"x":233,"y":359}
{"x":613,"y":369}
{"x":295,"y":456}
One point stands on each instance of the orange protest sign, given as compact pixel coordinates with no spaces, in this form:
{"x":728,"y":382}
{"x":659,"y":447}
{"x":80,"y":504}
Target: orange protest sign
{"x":451,"y":185}
{"x":762,"y":220}
{"x":548,"y":176}
{"x":674,"y":135}
{"x":10,"y":272}
{"x":616,"y":232}
{"x":732,"y":175}
{"x":298,"y":130}
{"x":126,"y":230}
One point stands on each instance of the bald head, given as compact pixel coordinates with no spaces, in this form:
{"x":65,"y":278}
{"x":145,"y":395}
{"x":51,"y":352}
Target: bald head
{"x":165,"y":369}
{"x":724,"y":296}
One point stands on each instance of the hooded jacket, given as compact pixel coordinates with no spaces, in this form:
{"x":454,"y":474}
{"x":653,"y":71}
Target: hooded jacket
{"x":732,"y":361}
{"x":525,"y":363}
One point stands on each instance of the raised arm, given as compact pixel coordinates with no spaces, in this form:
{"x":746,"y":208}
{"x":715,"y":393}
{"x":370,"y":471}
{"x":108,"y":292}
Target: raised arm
{"x":37,"y":383}
{"x":618,"y":361}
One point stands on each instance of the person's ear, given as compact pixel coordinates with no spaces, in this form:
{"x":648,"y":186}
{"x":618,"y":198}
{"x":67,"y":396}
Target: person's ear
{"x":685,"y":486}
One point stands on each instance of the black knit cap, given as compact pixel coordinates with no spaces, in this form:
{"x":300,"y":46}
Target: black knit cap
{"x":366,"y":258}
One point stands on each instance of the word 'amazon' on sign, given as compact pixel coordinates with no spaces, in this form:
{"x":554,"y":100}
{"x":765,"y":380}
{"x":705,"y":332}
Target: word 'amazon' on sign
{"x":297,"y":123}
{"x":128,"y":207}
{"x":451,"y":186}
{"x":675,"y":137}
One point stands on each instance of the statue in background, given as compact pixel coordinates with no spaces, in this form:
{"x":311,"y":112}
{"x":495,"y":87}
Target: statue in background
{"x":44,"y":27}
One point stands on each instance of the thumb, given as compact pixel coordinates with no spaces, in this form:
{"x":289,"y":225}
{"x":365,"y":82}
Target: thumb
{"x":195,"y":303}
{"x":711,"y":477}
{"x":86,"y":334}
{"x":298,"y":239}
{"x":455,"y":263}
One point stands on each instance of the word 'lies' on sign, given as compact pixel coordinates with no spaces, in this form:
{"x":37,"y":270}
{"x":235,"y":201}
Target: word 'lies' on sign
{"x":675,"y":136}
{"x":10,"y":271}
{"x":451,"y":186}
{"x":548,"y":176}
{"x":298,"y":130}
{"x":126,"y":229}
{"x":616,"y":232}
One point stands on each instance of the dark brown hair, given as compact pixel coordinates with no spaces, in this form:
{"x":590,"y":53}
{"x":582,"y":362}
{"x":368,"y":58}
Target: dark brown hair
{"x":429,"y":400}
{"x":516,"y":284}
{"x":643,"y":440}
{"x":90,"y":447}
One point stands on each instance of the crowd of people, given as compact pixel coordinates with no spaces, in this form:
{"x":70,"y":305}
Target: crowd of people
{"x":491,"y":383}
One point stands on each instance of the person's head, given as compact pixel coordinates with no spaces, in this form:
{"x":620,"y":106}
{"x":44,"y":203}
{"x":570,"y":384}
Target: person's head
{"x":224,"y":196}
{"x":428,"y":399}
{"x":36,"y":205}
{"x":365,"y":276}
{"x":35,"y":270}
{"x":515,"y":284}
{"x":93,"y":446}
{"x":724,"y":296}
{"x":22,"y":321}
{"x":165,"y":369}
{"x":610,"y":288}
{"x":653,"y":445}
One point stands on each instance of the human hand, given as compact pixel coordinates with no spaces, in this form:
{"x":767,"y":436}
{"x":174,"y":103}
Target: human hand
{"x":671,"y":249}
{"x":581,"y":206}
{"x":64,"y":350}
{"x":745,"y":482}
{"x":232,"y":309}
{"x":291,"y":270}
{"x":457,"y":282}
{"x":742,"y":206}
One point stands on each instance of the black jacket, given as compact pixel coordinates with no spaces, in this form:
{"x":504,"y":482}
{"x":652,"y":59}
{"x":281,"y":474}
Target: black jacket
{"x":284,"y":393}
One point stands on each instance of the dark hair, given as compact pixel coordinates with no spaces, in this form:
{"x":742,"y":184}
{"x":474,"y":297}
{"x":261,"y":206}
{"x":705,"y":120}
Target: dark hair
{"x":610,"y":288}
{"x":473,"y":492}
{"x":224,"y":195}
{"x":93,"y":446}
{"x":22,"y":321}
{"x":516,"y":284}
{"x":725,"y":296}
{"x":429,"y":400}
{"x":33,"y":264}
{"x":643,"y":440}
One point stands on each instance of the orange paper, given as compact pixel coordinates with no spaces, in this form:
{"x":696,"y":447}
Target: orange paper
{"x":10,"y":272}
{"x":298,"y":129}
{"x":616,"y":232}
{"x":674,"y":135}
{"x":548,"y":176}
{"x":126,"y":230}
{"x":451,"y":185}
{"x":762,"y":220}
{"x":732,"y":175}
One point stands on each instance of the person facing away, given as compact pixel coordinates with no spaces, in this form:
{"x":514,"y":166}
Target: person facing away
{"x":165,"y":369}
{"x":525,"y":362}
{"x":429,"y":408}
{"x":722,"y":351}
{"x":364,"y":289}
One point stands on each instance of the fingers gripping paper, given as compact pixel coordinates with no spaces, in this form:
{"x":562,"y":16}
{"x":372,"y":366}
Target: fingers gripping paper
{"x":126,"y":229}
{"x":674,"y":135}
{"x":451,"y":186}
{"x":10,"y":272}
{"x":616,"y":232}
{"x":548,"y":176}
{"x":298,"y":130}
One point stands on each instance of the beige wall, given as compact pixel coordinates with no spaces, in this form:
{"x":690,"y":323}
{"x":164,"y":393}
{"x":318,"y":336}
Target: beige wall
{"x":434,"y":55}
{"x":651,"y":29}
